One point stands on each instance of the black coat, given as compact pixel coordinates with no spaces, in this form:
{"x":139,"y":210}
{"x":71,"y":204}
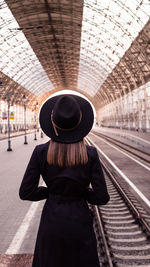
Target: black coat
{"x":65,"y":237}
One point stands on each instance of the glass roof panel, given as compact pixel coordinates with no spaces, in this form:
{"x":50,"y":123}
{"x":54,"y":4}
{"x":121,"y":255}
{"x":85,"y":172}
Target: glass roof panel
{"x":108,"y":29}
{"x":19,"y":56}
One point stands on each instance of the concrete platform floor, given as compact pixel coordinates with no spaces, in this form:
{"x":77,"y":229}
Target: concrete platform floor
{"x":131,"y":133}
{"x":139,"y":140}
{"x":13,"y":211}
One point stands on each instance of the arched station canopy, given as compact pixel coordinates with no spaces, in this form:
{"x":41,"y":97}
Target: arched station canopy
{"x":98,"y":48}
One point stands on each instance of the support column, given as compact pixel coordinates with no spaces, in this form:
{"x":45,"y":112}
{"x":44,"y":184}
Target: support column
{"x":147,"y":93}
{"x":141,"y":107}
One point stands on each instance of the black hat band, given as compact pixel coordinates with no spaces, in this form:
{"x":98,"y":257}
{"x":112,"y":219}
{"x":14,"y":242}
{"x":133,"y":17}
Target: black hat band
{"x":55,"y":126}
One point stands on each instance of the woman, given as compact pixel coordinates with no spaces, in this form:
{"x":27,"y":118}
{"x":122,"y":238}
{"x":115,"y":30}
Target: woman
{"x":65,"y":237}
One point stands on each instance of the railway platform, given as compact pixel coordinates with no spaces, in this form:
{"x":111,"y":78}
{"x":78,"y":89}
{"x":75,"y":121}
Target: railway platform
{"x":4,"y":136}
{"x":124,"y":132}
{"x":19,"y":219}
{"x":129,"y":137}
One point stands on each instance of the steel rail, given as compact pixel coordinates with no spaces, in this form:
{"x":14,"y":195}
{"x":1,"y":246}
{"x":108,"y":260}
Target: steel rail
{"x":99,"y":220}
{"x":132,"y":207}
{"x":107,"y":250}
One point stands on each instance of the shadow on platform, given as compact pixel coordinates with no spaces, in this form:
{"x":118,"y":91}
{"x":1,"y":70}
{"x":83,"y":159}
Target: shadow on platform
{"x":17,"y":260}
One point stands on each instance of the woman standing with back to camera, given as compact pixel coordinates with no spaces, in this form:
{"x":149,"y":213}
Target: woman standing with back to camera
{"x":65,"y":237}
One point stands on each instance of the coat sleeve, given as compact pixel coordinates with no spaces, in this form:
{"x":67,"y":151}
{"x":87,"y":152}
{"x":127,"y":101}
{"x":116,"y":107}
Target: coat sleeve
{"x":29,"y":189}
{"x":98,"y":195}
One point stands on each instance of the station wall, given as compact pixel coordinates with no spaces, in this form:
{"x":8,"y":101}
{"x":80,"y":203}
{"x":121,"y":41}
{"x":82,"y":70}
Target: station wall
{"x":17,"y":122}
{"x":131,"y":111}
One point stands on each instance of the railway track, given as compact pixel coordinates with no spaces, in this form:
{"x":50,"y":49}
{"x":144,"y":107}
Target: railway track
{"x":134,"y":151}
{"x":122,"y":227}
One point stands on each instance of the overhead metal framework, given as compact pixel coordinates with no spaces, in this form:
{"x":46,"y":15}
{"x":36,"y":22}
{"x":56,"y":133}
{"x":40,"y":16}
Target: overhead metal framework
{"x":132,"y":71}
{"x":98,"y":48}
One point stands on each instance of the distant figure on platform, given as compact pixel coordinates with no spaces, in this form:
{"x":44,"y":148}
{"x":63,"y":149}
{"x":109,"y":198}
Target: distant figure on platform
{"x":65,"y":237}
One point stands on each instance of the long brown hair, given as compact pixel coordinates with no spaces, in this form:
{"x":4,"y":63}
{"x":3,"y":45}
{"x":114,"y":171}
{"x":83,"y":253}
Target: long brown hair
{"x":67,"y":154}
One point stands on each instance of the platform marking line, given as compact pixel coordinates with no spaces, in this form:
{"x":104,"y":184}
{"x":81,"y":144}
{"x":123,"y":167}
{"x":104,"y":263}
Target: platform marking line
{"x":135,"y":136}
{"x":22,"y":230}
{"x":123,"y":175}
{"x":143,"y":165}
{"x":17,"y":241}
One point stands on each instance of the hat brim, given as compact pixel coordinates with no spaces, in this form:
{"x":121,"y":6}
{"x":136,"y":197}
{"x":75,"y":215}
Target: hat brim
{"x":70,"y":136}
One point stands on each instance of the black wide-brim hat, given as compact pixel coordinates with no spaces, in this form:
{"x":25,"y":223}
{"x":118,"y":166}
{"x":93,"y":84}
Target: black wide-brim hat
{"x":66,"y":118}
